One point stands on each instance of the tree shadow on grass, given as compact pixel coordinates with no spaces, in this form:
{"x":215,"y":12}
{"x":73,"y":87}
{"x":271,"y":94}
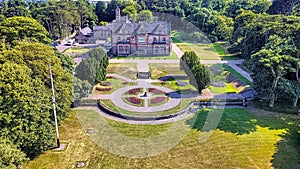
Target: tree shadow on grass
{"x":287,"y":153}
{"x":240,"y":121}
{"x":228,"y":120}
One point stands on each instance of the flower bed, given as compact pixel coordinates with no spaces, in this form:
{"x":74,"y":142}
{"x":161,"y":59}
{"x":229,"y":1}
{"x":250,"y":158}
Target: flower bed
{"x":134,"y":91}
{"x":158,"y":100}
{"x":109,"y":77}
{"x":133,"y":100}
{"x":102,"y":88}
{"x":156,"y":91}
{"x":105,"y":83}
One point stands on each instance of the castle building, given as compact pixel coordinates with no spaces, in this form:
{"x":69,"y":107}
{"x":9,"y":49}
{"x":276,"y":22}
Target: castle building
{"x":129,"y":38}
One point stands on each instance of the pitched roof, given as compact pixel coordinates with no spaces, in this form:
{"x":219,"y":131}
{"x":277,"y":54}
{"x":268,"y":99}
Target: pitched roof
{"x":85,"y":31}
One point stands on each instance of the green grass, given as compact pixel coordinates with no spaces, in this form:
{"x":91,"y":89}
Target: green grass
{"x":161,"y":69}
{"x":241,"y":140}
{"x":173,"y":85}
{"x":229,"y":88}
{"x":76,"y":51}
{"x":219,"y":49}
{"x":128,"y":70}
{"x":204,"y":52}
{"x":173,"y":56}
{"x":237,"y":74}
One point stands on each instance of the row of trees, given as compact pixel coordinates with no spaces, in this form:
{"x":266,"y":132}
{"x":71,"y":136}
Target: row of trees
{"x":60,"y":18}
{"x":26,"y":115}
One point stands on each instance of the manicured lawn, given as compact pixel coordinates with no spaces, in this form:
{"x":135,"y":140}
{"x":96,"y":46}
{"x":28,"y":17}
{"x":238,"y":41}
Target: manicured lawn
{"x":173,"y":85}
{"x":204,"y":52}
{"x":229,"y":88}
{"x":76,"y":51}
{"x":241,"y":140}
{"x":160,"y":69}
{"x":219,"y":49}
{"x":128,"y":70}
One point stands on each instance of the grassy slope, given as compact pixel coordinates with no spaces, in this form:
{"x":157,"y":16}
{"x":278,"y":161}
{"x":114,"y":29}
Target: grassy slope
{"x":204,"y":52}
{"x":76,"y":51}
{"x":125,"y":69}
{"x":221,"y":90}
{"x":242,"y":140}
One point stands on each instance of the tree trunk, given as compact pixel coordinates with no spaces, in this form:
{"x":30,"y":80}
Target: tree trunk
{"x":295,"y":101}
{"x":273,"y":91}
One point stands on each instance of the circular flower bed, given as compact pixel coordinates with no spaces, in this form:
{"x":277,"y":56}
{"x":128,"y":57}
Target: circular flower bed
{"x":134,"y":91}
{"x":156,"y":91}
{"x":218,"y":84}
{"x":133,"y":100}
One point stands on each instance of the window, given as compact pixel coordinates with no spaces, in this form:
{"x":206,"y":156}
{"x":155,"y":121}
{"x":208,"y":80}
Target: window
{"x":142,"y":50}
{"x":126,"y":49}
{"x":128,"y":39}
{"x":121,"y":49}
{"x":141,"y":40}
{"x":119,"y":38}
{"x":154,"y":39}
{"x":164,"y":39}
{"x":156,"y":49}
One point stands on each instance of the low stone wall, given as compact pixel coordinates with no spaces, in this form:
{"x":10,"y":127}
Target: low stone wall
{"x":191,"y":108}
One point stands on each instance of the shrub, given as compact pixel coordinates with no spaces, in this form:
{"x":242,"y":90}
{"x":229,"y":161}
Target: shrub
{"x":101,"y":88}
{"x":105,"y":83}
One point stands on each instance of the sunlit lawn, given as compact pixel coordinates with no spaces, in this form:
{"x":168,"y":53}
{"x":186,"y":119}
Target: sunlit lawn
{"x":229,"y":88}
{"x":241,"y":140}
{"x":128,"y":70}
{"x":76,"y":51}
{"x":204,"y":52}
{"x":160,"y":69}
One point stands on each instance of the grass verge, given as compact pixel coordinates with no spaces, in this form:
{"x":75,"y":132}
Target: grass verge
{"x":241,"y":140}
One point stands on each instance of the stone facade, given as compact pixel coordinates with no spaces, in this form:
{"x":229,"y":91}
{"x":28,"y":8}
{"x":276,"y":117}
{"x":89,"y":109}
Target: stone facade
{"x":138,"y":39}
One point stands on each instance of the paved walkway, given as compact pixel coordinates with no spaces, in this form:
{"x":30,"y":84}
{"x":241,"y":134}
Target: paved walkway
{"x":174,"y":99}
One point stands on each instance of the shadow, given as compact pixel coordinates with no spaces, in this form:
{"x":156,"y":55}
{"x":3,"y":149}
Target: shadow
{"x":173,"y":77}
{"x":240,"y":121}
{"x":231,"y":121}
{"x":182,"y":94}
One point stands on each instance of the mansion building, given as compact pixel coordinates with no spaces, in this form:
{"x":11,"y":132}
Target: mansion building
{"x":129,"y":38}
